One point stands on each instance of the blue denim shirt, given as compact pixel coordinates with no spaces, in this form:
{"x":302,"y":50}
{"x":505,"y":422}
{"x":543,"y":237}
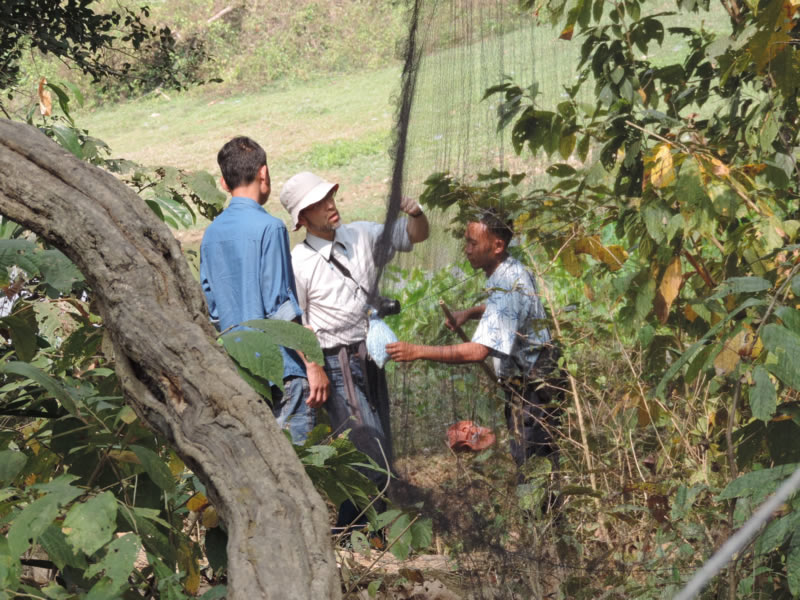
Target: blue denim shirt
{"x":246,"y":271}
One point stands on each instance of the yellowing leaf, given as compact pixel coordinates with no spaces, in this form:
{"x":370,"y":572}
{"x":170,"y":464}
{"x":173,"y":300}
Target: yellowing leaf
{"x":125,"y":456}
{"x":571,"y":261}
{"x":210,"y":517}
{"x":45,"y":101}
{"x":734,"y":349}
{"x":566,"y":34}
{"x":613,"y":256}
{"x":30,"y":479}
{"x":187,"y":563}
{"x":662,"y":172}
{"x":668,"y":289}
{"x":588,"y":292}
{"x":197,"y":502}
{"x":689,"y":313}
{"x":642,"y":95}
{"x":175,"y":464}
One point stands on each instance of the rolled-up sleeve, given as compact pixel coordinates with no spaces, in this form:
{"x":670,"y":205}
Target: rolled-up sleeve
{"x":278,"y":290}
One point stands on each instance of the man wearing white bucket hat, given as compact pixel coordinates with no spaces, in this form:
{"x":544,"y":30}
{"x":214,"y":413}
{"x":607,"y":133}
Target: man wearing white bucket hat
{"x":334,"y":267}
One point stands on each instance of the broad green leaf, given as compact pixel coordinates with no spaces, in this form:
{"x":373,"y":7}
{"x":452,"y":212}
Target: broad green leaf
{"x":777,"y":532}
{"x":785,"y":346}
{"x":90,"y":525}
{"x":218,"y":592}
{"x":155,"y":467}
{"x":290,"y":335}
{"x":10,"y":567}
{"x":11,"y":463}
{"x":203,"y":184}
{"x":318,"y":455}
{"x":67,"y":137}
{"x":23,"y":329}
{"x":18,"y":253}
{"x":644,"y":299}
{"x":763,"y":399}
{"x":35,"y":518}
{"x":756,"y":482}
{"x":216,"y":548}
{"x":739,"y":285}
{"x":793,"y":566}
{"x":58,"y":271}
{"x":117,"y":563}
{"x":795,"y":285}
{"x":56,"y":592}
{"x":257,"y":352}
{"x":58,"y":550}
{"x":53,"y":386}
{"x":421,"y":533}
{"x":360,"y":543}
{"x":790,"y":318}
{"x":400,"y":537}
{"x":103,"y":590}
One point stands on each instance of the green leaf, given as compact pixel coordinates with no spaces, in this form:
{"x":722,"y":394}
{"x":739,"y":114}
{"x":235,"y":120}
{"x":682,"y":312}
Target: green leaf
{"x":561,"y":170}
{"x":35,"y":374}
{"x":790,"y":318}
{"x":11,"y":463}
{"x":103,"y":590}
{"x":399,"y":539}
{"x":216,"y":548}
{"x":118,"y":561}
{"x":374,"y":587}
{"x":10,"y":567}
{"x":421,"y":534}
{"x":741,"y":285}
{"x":18,"y":253}
{"x":58,"y":271}
{"x":90,"y":525}
{"x":155,"y":467}
{"x":777,"y":532}
{"x":360,"y":543}
{"x":793,"y":566}
{"x":35,"y":518}
{"x":58,"y":550}
{"x":656,"y":218}
{"x":785,"y":346}
{"x":257,"y":352}
{"x":203,"y":184}
{"x":23,"y":330}
{"x":318,"y":455}
{"x":763,"y":399}
{"x":290,"y":335}
{"x":67,"y":137}
{"x":756,"y":483}
{"x":218,"y":592}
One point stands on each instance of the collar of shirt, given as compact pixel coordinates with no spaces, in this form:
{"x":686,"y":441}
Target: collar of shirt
{"x":244,"y":202}
{"x":325,"y":247}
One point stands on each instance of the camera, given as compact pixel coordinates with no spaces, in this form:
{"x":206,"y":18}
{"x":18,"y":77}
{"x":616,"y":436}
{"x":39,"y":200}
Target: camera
{"x":387,"y":306}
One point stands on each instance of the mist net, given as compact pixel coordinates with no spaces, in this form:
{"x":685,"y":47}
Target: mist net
{"x":455,"y":51}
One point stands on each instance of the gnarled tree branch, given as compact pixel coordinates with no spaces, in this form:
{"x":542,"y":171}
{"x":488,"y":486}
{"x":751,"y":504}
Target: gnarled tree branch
{"x":178,"y":381}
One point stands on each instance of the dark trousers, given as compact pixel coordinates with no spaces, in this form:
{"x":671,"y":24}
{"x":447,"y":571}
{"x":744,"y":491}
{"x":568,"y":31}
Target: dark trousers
{"x":359,"y":402}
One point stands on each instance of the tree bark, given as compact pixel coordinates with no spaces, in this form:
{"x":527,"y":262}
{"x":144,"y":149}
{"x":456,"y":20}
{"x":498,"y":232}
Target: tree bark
{"x":178,"y":381}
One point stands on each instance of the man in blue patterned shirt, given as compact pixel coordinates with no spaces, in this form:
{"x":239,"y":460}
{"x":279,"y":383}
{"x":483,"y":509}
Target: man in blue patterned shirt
{"x":512,"y":331}
{"x":246,"y":273}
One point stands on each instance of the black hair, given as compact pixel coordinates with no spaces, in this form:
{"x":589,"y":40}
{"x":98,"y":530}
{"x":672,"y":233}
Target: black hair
{"x":239,"y":160}
{"x":497,"y":224}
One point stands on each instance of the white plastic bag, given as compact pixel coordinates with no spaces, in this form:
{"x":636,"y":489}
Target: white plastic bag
{"x":378,"y":335}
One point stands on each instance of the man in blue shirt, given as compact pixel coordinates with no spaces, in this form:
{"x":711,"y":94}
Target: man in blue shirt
{"x":511,"y":330}
{"x":246,"y":273}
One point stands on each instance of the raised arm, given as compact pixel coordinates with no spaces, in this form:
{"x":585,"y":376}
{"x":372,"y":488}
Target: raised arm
{"x":418,"y":228}
{"x":467,"y":352}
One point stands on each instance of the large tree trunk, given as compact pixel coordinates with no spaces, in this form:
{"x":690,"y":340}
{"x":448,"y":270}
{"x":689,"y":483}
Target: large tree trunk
{"x":177,"y":380}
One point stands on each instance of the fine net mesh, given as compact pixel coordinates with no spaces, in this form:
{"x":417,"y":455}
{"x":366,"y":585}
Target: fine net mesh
{"x":457,"y":49}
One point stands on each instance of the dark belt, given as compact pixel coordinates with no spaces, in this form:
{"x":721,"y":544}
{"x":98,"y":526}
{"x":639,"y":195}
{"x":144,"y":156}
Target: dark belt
{"x":349,"y":348}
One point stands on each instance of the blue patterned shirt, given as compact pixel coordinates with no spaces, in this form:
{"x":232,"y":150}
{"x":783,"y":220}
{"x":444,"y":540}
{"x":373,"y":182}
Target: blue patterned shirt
{"x":512,"y":324}
{"x":246,"y":271}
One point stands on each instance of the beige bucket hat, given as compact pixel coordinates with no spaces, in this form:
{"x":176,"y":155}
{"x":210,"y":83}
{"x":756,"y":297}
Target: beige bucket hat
{"x":303,"y":190}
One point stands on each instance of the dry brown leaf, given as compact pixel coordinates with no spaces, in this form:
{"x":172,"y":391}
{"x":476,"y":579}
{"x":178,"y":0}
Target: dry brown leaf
{"x":566,"y":34}
{"x":45,"y":100}
{"x":668,"y":289}
{"x":613,"y":256}
{"x":690,"y":313}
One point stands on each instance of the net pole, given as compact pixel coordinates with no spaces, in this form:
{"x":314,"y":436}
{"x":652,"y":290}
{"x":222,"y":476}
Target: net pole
{"x":740,"y":539}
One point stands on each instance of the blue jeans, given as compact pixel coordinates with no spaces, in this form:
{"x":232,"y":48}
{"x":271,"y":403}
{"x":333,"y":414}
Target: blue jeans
{"x":290,"y":408}
{"x":340,"y":412}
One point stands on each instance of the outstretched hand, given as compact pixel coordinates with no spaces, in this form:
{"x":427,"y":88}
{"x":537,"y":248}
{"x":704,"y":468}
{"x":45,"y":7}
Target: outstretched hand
{"x":402,"y":351}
